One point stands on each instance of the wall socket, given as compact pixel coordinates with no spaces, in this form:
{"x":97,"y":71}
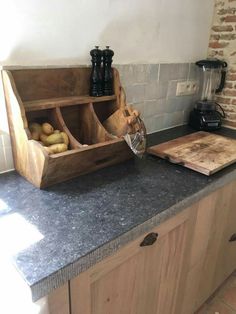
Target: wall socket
{"x":187,"y":88}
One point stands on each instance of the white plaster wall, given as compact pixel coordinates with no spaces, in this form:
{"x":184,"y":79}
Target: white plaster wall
{"x":49,"y":32}
{"x":62,"y":32}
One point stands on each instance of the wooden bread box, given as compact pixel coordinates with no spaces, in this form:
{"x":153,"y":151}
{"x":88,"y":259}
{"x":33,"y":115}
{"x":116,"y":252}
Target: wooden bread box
{"x":60,"y":97}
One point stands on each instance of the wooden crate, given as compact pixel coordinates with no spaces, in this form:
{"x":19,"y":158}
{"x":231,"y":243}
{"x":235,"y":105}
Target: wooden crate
{"x":60,"y":96}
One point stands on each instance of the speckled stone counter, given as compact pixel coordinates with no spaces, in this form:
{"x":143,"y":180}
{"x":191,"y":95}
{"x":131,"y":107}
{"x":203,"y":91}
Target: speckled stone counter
{"x":75,"y":224}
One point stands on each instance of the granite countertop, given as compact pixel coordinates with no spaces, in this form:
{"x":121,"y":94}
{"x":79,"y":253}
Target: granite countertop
{"x":61,"y":231}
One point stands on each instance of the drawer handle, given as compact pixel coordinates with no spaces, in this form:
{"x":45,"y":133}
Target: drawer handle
{"x":149,"y":239}
{"x":232,"y":238}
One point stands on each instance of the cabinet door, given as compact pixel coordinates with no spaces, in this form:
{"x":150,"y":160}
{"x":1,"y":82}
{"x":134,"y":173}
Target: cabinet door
{"x":210,"y":266}
{"x":57,"y":302}
{"x":226,"y":261}
{"x":213,"y":256}
{"x":201,"y":233}
{"x":137,"y":280}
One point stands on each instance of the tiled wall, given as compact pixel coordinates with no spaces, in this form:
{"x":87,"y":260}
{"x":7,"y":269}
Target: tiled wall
{"x":151,"y":88}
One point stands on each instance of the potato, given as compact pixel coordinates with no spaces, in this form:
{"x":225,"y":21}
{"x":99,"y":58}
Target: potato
{"x":56,"y":148}
{"x":43,"y":138}
{"x":48,"y":150}
{"x":65,"y":138}
{"x":35,"y":127}
{"x":47,"y":128}
{"x":54,"y":139}
{"x":35,"y":130}
{"x":35,"y":135}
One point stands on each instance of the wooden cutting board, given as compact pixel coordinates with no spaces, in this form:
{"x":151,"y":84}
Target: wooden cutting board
{"x":204,"y":152}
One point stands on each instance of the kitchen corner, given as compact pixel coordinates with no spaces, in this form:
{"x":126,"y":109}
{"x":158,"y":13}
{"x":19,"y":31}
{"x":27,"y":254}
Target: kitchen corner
{"x":80,"y":222}
{"x":118,"y":157}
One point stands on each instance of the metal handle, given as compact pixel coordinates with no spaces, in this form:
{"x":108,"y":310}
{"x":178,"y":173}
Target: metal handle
{"x":149,"y":239}
{"x":222,"y":82}
{"x":232,"y":238}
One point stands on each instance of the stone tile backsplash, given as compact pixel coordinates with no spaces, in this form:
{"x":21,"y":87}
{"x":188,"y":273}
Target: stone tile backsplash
{"x":151,"y":88}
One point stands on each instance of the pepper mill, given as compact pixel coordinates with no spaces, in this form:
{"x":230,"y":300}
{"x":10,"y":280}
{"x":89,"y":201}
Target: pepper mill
{"x":96,"y":76}
{"x":107,"y":71}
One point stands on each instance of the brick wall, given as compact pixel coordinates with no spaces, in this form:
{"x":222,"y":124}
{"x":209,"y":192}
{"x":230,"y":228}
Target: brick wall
{"x":222,"y":45}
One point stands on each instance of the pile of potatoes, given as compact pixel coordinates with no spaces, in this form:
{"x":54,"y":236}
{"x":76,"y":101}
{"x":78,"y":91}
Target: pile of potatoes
{"x":54,"y":141}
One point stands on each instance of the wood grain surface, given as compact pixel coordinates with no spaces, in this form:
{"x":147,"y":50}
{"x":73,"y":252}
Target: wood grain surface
{"x":60,"y":97}
{"x":204,"y":152}
{"x":64,"y":101}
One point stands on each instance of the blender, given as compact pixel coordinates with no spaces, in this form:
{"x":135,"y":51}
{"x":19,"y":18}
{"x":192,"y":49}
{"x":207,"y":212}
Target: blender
{"x":207,"y":114}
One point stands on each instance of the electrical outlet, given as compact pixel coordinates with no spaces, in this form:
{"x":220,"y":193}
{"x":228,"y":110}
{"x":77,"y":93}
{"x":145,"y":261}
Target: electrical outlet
{"x":187,"y":88}
{"x":195,"y":86}
{"x":181,"y":89}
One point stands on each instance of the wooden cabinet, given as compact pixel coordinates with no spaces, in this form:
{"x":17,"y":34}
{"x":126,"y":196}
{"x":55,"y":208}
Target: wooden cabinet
{"x":137,"y":279}
{"x":213,"y":257}
{"x":173,"y":269}
{"x":57,"y":302}
{"x":226,"y":260}
{"x":221,"y":202}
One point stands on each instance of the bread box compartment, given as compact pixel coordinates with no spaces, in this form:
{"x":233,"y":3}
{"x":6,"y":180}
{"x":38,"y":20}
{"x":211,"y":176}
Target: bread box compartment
{"x":57,"y":96}
{"x":104,"y":112}
{"x":47,"y":116}
{"x":84,"y":124}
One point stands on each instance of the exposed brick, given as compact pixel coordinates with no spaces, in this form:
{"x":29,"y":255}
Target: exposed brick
{"x":222,"y":28}
{"x":230,"y":123}
{"x":215,"y":53}
{"x":229,"y":10}
{"x":223,"y":100}
{"x":217,"y":44}
{"x":222,"y":45}
{"x":230,"y":19}
{"x":229,"y":108}
{"x":227,"y":36}
{"x":215,"y":36}
{"x":229,"y":92}
{"x":231,"y":77}
{"x":219,"y":3}
{"x":229,"y":85}
{"x":231,"y":116}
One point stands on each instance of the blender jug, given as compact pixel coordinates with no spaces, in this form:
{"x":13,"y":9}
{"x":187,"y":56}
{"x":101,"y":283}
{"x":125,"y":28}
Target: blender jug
{"x":205,"y":115}
{"x":213,"y":78}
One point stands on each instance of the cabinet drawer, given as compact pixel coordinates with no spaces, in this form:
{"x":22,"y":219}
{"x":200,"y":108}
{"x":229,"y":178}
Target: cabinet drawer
{"x":143,"y":277}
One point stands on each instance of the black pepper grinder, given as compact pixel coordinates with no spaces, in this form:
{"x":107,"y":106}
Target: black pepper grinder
{"x":96,"y":76}
{"x":107,"y":71}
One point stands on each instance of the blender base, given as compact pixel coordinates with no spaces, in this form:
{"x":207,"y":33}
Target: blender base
{"x":205,"y":117}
